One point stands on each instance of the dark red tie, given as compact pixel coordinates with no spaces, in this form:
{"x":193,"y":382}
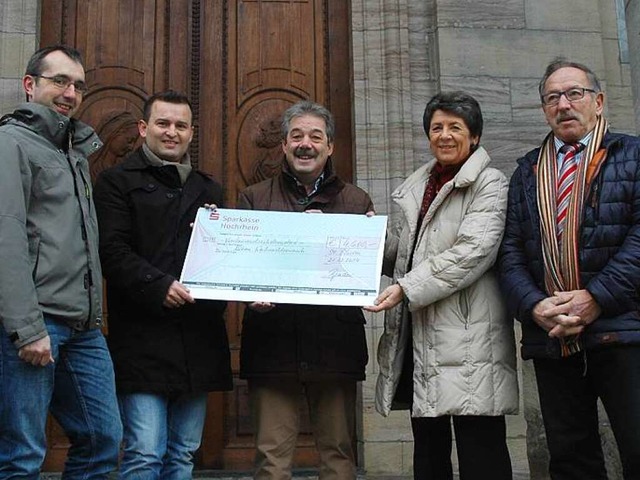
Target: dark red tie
{"x":566,"y":179}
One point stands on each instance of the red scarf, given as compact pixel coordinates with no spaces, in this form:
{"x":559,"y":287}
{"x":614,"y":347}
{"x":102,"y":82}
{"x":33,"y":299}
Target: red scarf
{"x":440,"y":174}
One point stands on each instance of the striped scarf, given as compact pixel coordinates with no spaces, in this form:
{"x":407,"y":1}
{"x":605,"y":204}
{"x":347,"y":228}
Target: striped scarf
{"x":561,"y":262}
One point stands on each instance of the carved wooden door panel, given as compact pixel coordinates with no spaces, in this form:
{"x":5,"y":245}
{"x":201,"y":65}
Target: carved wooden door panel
{"x":266,"y":55}
{"x":242,"y":62}
{"x":131,"y":48}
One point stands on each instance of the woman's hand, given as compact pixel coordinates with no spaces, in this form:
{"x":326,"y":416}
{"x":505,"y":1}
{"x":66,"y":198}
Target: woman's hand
{"x":389,"y":298}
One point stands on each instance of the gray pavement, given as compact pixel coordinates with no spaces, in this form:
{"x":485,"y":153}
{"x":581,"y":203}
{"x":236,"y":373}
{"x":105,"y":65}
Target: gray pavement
{"x":310,"y":475}
{"x":298,"y":475}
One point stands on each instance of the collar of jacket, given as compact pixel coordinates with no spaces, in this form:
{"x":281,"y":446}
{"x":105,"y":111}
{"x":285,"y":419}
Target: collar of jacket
{"x":530,"y":160}
{"x":327,"y":189}
{"x":527,"y":170}
{"x":48,"y":123}
{"x":466,"y":176}
{"x":138,"y":161}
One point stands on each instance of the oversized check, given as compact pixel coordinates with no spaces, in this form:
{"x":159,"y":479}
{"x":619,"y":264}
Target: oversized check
{"x":285,"y":257}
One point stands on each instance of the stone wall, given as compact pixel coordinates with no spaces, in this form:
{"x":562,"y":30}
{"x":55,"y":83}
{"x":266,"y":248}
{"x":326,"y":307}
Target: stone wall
{"x":632,"y":10}
{"x":395,"y":73}
{"x":405,"y":51}
{"x":18,"y":37}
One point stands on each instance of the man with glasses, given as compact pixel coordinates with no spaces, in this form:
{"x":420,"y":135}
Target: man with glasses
{"x":570,"y":270}
{"x":53,"y":355}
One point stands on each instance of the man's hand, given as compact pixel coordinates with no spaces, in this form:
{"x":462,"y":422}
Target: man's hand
{"x":553,"y":315}
{"x":177,"y":296}
{"x":261,"y":307}
{"x":578,"y":303}
{"x":389,"y":298}
{"x":540,"y":316}
{"x":574,"y":310}
{"x":37,"y":353}
{"x":566,"y":313}
{"x":208,"y":206}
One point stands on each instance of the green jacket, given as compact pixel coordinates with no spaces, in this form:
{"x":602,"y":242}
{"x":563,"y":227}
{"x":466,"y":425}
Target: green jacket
{"x":48,"y":227}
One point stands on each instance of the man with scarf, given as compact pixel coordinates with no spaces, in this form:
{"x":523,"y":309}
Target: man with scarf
{"x":168,"y":350}
{"x":570,"y":270}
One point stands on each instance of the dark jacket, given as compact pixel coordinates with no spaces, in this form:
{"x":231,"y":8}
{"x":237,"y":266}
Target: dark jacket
{"x":308,"y":342}
{"x":609,"y":251}
{"x":144,"y":214}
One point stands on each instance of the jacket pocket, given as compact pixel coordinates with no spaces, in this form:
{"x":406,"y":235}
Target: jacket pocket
{"x":141,"y":192}
{"x":594,"y":199}
{"x":34,"y":256}
{"x":463,"y":301}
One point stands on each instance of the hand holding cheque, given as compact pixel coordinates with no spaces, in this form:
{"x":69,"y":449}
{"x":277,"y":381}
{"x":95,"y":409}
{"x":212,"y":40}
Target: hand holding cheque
{"x":285,"y":257}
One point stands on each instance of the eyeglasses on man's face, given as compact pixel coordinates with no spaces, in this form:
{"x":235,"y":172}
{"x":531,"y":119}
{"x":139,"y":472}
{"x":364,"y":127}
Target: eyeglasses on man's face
{"x":62,"y":82}
{"x":573,"y":95}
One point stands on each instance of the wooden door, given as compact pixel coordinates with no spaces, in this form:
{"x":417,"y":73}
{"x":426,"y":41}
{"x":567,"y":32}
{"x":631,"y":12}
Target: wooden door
{"x":242,"y":62}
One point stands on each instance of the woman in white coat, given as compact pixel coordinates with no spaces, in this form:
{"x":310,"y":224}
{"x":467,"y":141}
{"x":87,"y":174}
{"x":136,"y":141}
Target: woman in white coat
{"x":448,"y":349}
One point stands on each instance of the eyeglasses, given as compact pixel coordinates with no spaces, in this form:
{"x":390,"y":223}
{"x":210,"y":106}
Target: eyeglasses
{"x":62,"y":82}
{"x":573,"y":95}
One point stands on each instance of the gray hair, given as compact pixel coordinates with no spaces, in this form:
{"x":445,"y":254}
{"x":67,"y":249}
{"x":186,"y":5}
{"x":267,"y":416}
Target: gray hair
{"x":307,"y":107}
{"x":559,"y":63}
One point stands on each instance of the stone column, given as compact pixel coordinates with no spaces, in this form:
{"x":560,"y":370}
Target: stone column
{"x":390,"y":61}
{"x":18,"y":39}
{"x":632,"y":11}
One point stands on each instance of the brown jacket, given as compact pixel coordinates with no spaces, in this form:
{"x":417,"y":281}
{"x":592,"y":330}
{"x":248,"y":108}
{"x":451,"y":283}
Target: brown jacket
{"x":309,"y":342}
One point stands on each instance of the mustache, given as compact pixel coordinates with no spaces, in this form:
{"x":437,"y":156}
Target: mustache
{"x":304,"y":151}
{"x":561,"y":117}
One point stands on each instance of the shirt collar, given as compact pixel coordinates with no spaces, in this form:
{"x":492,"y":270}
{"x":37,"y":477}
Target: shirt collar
{"x":559,"y":143}
{"x":316,"y":184}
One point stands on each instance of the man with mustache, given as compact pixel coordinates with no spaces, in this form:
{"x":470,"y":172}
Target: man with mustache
{"x":53,"y":356}
{"x":313,"y":352}
{"x":570,"y":270}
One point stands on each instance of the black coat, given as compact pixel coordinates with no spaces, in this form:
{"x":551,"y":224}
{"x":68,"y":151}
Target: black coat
{"x":307,"y":342}
{"x":609,"y":250}
{"x":144,"y":215}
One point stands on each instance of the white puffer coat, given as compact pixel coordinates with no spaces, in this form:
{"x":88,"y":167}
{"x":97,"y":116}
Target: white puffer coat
{"x":463,"y":344}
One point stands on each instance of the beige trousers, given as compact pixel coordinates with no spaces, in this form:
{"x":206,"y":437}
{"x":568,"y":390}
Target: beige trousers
{"x":275,"y":407}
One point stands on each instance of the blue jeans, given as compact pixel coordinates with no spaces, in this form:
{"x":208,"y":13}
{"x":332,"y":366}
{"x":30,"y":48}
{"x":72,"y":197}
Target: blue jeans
{"x":569,"y":389}
{"x":161,"y":434}
{"x":79,"y":391}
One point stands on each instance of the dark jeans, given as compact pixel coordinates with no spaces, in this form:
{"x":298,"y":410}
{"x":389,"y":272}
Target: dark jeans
{"x":569,"y":389}
{"x":480,"y":442}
